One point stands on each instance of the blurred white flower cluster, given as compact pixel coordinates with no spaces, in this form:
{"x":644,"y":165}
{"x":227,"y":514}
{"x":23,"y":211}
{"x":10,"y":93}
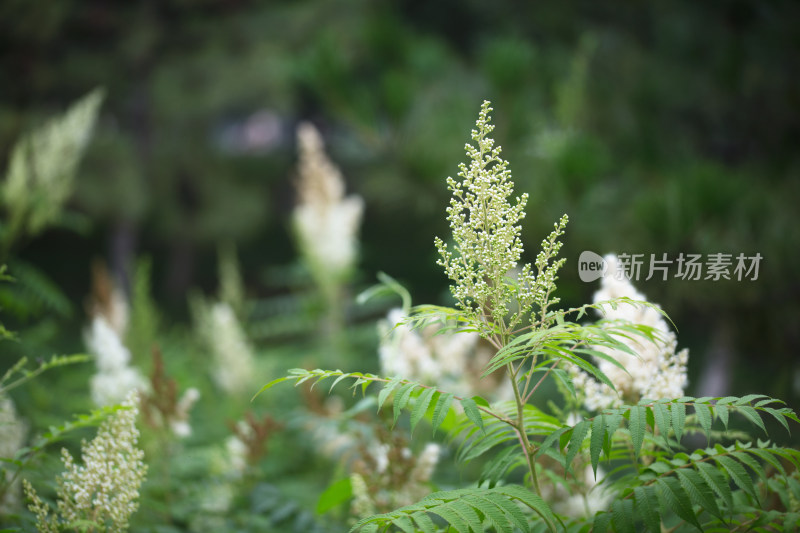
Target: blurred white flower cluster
{"x":590,"y":498}
{"x":108,"y":307}
{"x":114,"y":378}
{"x":453,"y":361}
{"x":390,"y":476}
{"x":659,"y":372}
{"x":105,"y":489}
{"x":179,"y":424}
{"x":326,"y":223}
{"x":234,"y":368}
{"x":236,"y":450}
{"x":12,"y":437}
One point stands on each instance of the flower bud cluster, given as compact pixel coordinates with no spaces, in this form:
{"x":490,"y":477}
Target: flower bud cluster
{"x":105,"y":488}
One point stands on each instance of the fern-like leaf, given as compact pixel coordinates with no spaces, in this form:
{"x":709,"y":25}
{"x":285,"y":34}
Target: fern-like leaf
{"x":466,"y":509}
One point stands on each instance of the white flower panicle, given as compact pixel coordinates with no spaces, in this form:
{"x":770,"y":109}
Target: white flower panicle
{"x":393,"y":478}
{"x":236,"y":450}
{"x":234,"y":357}
{"x":114,"y":378}
{"x":325,"y":221}
{"x":451,"y":360}
{"x":179,"y":424}
{"x":105,"y":488}
{"x":659,"y":372}
{"x":586,"y":498}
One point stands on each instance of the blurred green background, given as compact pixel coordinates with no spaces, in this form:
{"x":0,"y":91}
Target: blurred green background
{"x":660,"y":127}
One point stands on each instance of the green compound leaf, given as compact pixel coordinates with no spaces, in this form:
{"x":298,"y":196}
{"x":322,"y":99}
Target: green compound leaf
{"x":778,"y":414}
{"x":492,"y":512}
{"x":601,"y":523}
{"x":510,"y":509}
{"x":738,"y":474}
{"x":467,"y":513}
{"x":752,"y":415}
{"x":662,"y":419}
{"x":716,"y":480}
{"x":576,"y":440}
{"x":465,"y":510}
{"x":647,"y":507}
{"x":673,"y":496}
{"x":421,"y":407}
{"x":699,"y":491}
{"x":722,"y":412}
{"x":424,"y":521}
{"x":768,"y":457}
{"x":638,"y":426}
{"x":387,"y":390}
{"x":746,"y":400}
{"x":596,"y":443}
{"x":405,"y":524}
{"x":678,"y":411}
{"x":704,"y":416}
{"x":472,"y":412}
{"x":613,"y":422}
{"x":441,"y":409}
{"x":535,"y":502}
{"x":401,"y":399}
{"x":622,"y":516}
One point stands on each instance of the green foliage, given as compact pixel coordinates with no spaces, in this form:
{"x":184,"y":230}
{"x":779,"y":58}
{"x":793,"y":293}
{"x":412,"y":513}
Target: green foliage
{"x":18,"y":373}
{"x":466,"y":510}
{"x":142,"y":332}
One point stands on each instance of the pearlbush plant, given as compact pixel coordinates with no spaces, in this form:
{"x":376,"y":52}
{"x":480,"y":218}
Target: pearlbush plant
{"x":658,"y":480}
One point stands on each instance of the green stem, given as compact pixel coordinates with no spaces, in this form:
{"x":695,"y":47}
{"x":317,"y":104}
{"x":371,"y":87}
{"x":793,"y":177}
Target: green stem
{"x":522,"y":434}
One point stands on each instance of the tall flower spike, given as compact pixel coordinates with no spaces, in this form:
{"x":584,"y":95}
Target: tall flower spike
{"x":487,"y":283}
{"x":114,"y":377}
{"x":326,"y":222}
{"x":485,"y":226}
